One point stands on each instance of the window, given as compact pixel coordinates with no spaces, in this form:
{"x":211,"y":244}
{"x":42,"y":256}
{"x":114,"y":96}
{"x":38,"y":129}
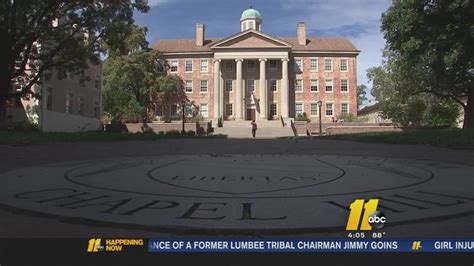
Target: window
{"x":298,"y":65}
{"x":228,"y":85}
{"x":298,"y":108}
{"x":314,"y":85}
{"x":69,"y":103}
{"x":273,"y":109}
{"x":329,"y":109}
{"x":160,"y":66}
{"x":344,"y":85}
{"x":251,"y":25}
{"x":328,"y":85}
{"x":313,"y":65}
{"x":250,"y":85}
{"x":49,"y":99}
{"x":299,"y":85}
{"x":189,"y":65}
{"x":159,"y":110}
{"x":250,"y":65}
{"x":203,"y":109}
{"x":203,"y":85}
{"x":229,"y":66}
{"x":174,"y":110}
{"x":204,"y":65}
{"x":228,"y":109}
{"x":189,"y":86}
{"x":273,"y":65}
{"x":96,"y":110}
{"x":188,"y":110}
{"x":344,"y":65}
{"x":174,"y":66}
{"x":314,"y":109}
{"x":328,"y":65}
{"x":344,"y":108}
{"x":272,"y":84}
{"x":80,"y":109}
{"x":97,"y":81}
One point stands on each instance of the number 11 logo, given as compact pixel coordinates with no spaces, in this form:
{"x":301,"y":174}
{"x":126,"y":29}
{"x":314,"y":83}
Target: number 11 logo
{"x":357,"y":207}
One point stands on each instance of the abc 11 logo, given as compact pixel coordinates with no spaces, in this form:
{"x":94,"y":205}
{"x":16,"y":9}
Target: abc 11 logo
{"x":365,"y":216}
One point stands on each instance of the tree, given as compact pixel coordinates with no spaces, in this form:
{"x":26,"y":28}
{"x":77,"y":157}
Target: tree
{"x":41,"y":36}
{"x":433,"y":41}
{"x":131,"y":78}
{"x":402,"y":101}
{"x":361,"y":94}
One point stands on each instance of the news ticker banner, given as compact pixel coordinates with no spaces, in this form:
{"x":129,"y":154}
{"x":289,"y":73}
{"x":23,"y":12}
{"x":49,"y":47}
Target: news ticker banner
{"x":310,"y":245}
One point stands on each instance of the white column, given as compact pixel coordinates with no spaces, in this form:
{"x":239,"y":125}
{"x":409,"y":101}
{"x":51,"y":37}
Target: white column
{"x":263,"y":90}
{"x":285,"y":94}
{"x":217,"y":89}
{"x":238,"y":90}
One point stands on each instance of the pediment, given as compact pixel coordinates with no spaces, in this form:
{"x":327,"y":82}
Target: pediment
{"x":251,"y":39}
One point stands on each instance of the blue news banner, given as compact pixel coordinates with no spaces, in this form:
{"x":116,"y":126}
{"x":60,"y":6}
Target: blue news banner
{"x":311,"y":245}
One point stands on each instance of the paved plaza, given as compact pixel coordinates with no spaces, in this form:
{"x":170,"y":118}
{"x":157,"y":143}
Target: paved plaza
{"x":231,"y":187}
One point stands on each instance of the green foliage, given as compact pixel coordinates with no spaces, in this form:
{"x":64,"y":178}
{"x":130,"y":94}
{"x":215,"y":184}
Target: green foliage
{"x":346,"y":117}
{"x":361,"y":94}
{"x":302,"y":117}
{"x":403,"y":101}
{"x":173,"y":133}
{"x":219,"y":122}
{"x":191,"y":133}
{"x":432,"y":43}
{"x":197,"y":118}
{"x":25,"y":126}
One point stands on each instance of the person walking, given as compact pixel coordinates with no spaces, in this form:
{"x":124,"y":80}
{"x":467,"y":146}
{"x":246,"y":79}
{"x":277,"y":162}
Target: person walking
{"x":254,"y":128}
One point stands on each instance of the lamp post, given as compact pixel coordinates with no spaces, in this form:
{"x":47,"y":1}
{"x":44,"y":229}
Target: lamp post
{"x":320,"y":103}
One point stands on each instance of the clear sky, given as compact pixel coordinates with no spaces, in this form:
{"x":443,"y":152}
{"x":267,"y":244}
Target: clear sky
{"x":357,"y":20}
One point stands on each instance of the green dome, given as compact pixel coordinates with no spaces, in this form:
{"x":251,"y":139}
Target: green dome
{"x":251,"y":13}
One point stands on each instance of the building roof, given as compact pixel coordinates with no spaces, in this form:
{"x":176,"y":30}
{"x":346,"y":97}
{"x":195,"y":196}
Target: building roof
{"x":251,"y":13}
{"x":322,"y":44}
{"x":370,"y":109}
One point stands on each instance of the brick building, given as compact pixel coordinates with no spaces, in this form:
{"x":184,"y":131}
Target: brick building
{"x":253,"y":75}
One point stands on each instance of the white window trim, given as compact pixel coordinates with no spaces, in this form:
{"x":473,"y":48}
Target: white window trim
{"x":302,"y":86}
{"x":192,"y":65}
{"x":332,"y":86}
{"x":317,"y":109}
{"x":340,"y":60}
{"x":317,"y":64}
{"x":171,"y":65}
{"x":192,"y":86}
{"x":348,"y":107}
{"x":332,"y":65}
{"x":302,"y":107}
{"x":294,"y":65}
{"x":232,"y":85}
{"x":270,"y":87}
{"x":340,"y":86}
{"x":276,"y":66}
{"x":317,"y":86}
{"x":325,"y":113}
{"x":276,"y":108}
{"x":207,"y":67}
{"x":200,"y":86}
{"x":251,"y":70}
{"x":207,"y":109}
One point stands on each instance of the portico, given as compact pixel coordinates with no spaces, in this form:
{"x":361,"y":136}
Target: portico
{"x":237,"y":60}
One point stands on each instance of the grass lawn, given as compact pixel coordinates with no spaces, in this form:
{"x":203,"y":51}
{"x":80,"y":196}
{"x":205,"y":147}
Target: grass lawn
{"x":27,"y":137}
{"x":453,"y":137}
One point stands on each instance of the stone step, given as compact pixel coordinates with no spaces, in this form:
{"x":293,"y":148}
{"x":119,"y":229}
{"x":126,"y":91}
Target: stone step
{"x":262,"y":133}
{"x":246,"y":124}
